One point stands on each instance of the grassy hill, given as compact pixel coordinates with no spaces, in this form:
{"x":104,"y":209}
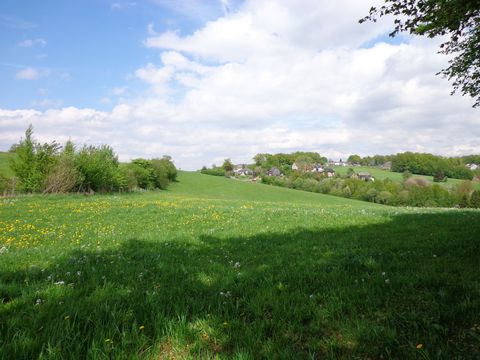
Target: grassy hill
{"x":218,"y":268}
{"x":385,"y":174}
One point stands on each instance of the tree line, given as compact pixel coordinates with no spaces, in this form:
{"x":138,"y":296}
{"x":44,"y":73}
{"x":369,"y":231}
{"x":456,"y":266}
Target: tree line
{"x":52,"y":168}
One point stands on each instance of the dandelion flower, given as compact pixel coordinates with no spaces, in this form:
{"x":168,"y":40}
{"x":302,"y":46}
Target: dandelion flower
{"x":141,"y":328}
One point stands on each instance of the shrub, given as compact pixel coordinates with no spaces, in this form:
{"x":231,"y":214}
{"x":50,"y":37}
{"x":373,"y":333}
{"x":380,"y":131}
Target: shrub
{"x":33,"y":162}
{"x":5,"y":185}
{"x":475,"y":199}
{"x":99,"y":169}
{"x":383,"y":197}
{"x":63,"y":178}
{"x":216,"y":171}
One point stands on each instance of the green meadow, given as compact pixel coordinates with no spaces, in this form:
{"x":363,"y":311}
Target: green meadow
{"x":381,"y":174}
{"x":224,"y":269}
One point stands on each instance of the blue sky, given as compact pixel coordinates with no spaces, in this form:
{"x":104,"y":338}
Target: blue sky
{"x":205,"y":80}
{"x":83,"y":50}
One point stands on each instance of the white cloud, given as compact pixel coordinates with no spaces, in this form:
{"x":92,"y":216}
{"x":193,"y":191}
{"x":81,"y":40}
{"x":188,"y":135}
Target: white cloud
{"x":47,"y":103}
{"x":119,"y":90}
{"x":30,"y":73}
{"x":122,"y":5}
{"x":275,"y":76}
{"x":32,"y":42}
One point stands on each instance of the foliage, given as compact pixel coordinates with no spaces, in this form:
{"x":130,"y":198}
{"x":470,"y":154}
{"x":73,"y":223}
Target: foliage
{"x":428,"y":164}
{"x":457,"y":21}
{"x":99,"y":168}
{"x":475,"y":199}
{"x":284,"y":162}
{"x":215,"y":171}
{"x":5,"y":185}
{"x":406,"y":175}
{"x":376,"y":160}
{"x":439,"y":176}
{"x":227,"y":165}
{"x":33,"y":162}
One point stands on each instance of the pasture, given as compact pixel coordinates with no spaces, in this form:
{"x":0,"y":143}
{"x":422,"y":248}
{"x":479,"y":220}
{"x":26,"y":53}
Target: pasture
{"x":381,"y":174}
{"x":216,"y":268}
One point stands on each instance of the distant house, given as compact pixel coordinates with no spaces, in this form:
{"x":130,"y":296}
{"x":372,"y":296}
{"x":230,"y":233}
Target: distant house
{"x":472,"y":166}
{"x":317,"y":168}
{"x":274,"y":172}
{"x":336,"y":163}
{"x":243,"y":171}
{"x":387,"y":165}
{"x":365,"y":176}
{"x":295,"y":166}
{"x":329,"y":172}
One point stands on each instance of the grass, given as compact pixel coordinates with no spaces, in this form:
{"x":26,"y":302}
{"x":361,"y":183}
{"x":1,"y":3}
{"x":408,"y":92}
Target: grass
{"x":215,"y":268}
{"x":381,"y":174}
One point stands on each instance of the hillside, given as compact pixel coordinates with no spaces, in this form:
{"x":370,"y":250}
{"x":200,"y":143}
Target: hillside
{"x":221,"y":188}
{"x":398,"y":177}
{"x":218,"y":268}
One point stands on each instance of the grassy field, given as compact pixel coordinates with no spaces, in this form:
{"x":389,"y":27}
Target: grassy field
{"x":385,"y":174}
{"x":216,"y":268}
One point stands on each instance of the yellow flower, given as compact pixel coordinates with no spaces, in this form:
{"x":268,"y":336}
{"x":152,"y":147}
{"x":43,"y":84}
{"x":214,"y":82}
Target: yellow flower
{"x":141,"y":328}
{"x":66,"y":317}
{"x":419,"y":346}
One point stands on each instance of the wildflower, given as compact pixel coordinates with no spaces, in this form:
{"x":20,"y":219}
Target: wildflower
{"x":38,"y":302}
{"x":60,"y":283}
{"x":3,"y":250}
{"x":236,"y":265}
{"x":79,"y":273}
{"x":141,"y":328}
{"x":66,"y":317}
{"x":225,"y":324}
{"x":419,"y":346}
{"x":383,"y":273}
{"x":108,"y":341}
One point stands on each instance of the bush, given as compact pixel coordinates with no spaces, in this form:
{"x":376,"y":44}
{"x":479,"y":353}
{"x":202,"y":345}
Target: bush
{"x":63,"y":178}
{"x":383,"y":197}
{"x":5,"y":185}
{"x":475,"y":199}
{"x":33,"y":162}
{"x":216,"y":171}
{"x":99,"y":168}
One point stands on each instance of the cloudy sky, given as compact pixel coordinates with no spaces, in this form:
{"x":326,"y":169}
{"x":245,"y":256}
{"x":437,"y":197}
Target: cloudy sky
{"x":203,"y":80}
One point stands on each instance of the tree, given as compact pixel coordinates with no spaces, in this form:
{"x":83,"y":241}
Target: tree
{"x":458,"y":20}
{"x":354,"y":159}
{"x":33,"y":162}
{"x":227,"y":165}
{"x":439,"y":176}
